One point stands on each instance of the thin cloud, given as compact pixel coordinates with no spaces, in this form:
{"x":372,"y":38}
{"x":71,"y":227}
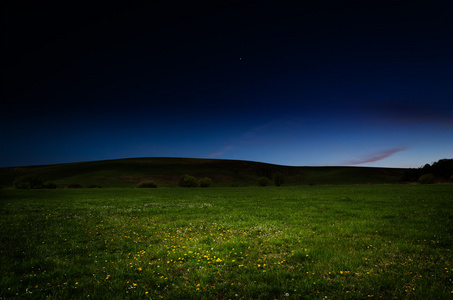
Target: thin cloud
{"x":255,"y":135}
{"x":383,"y":154}
{"x":221,"y":151}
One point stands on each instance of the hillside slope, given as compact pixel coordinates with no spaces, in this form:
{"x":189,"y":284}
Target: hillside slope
{"x":168,"y":171}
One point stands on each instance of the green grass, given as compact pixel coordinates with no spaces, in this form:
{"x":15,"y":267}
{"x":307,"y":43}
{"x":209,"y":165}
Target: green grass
{"x":320,"y":242}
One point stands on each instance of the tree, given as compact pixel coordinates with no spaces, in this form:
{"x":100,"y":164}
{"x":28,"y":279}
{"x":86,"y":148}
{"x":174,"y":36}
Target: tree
{"x":279,"y":179}
{"x":263,"y":181}
{"x":441,"y":170}
{"x":147,"y":184}
{"x":28,"y":182}
{"x":188,"y":181}
{"x":205,"y":182}
{"x":74,"y":186}
{"x":427,"y":178}
{"x":49,"y":185}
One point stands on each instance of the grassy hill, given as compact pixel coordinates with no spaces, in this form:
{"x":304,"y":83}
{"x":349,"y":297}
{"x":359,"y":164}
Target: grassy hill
{"x":168,"y":171}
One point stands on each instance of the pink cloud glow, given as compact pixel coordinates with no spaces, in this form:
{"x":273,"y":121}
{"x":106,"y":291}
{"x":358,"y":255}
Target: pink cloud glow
{"x":383,"y":154}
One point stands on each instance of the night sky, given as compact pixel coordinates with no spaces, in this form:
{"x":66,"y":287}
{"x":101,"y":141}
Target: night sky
{"x":302,"y":83}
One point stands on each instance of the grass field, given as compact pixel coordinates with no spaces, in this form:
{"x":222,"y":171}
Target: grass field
{"x":319,"y":242}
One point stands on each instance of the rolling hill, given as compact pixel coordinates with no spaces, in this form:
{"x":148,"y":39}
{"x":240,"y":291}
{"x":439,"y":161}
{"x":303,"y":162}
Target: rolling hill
{"x":166,"y":172}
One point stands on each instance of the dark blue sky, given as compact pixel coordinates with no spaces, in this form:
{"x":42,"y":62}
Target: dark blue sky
{"x":287,"y":82}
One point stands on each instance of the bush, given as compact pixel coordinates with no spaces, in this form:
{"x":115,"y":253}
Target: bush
{"x":427,"y":178}
{"x":28,"y":182}
{"x":205,"y":182}
{"x":74,"y":186}
{"x":49,"y":185}
{"x":94,"y":186}
{"x":279,"y":179}
{"x":263,"y":181}
{"x":147,"y":184}
{"x":188,"y":181}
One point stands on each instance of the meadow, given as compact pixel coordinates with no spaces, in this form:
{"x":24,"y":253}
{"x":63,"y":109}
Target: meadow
{"x":300,"y":242}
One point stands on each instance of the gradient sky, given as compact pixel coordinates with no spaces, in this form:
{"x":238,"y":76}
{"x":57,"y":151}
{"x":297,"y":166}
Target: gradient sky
{"x":303,"y":83}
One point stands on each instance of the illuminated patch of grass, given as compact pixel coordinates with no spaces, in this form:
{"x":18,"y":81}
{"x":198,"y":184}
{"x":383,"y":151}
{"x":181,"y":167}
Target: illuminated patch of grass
{"x":242,"y":243}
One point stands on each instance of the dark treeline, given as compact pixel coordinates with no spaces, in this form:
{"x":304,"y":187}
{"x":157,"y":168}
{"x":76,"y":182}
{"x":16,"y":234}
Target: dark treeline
{"x":439,"y":171}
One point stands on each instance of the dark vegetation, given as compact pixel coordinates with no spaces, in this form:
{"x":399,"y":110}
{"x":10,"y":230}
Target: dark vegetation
{"x":205,"y":182}
{"x":170,"y":172}
{"x":188,"y":181}
{"x":147,"y":184}
{"x":28,"y":182}
{"x":440,"y":171}
{"x":32,"y":182}
{"x":74,"y":186}
{"x":279,"y":178}
{"x":264,"y":181}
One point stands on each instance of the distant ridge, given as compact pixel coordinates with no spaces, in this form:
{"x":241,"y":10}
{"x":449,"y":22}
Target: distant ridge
{"x":166,"y":172}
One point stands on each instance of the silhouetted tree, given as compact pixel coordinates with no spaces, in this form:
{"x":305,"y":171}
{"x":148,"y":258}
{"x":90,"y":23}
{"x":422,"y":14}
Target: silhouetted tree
{"x":147,"y":184}
{"x":205,"y":182}
{"x":263,"y":181}
{"x":427,"y":178}
{"x":28,"y":182}
{"x":74,"y":186}
{"x":49,"y":185}
{"x":442,"y":169}
{"x":279,"y":178}
{"x":188,"y":181}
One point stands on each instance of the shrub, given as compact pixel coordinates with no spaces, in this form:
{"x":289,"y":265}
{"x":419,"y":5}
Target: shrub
{"x":28,"y":182}
{"x":205,"y":182}
{"x":263,"y":181}
{"x":188,"y":181}
{"x":49,"y":185}
{"x":427,"y":178}
{"x":147,"y":184}
{"x":279,"y":179}
{"x":94,"y":186}
{"x":74,"y":186}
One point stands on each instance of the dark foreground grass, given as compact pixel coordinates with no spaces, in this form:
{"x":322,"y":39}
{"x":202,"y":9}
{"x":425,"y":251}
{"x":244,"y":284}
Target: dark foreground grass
{"x":321,"y":242}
